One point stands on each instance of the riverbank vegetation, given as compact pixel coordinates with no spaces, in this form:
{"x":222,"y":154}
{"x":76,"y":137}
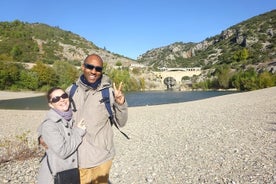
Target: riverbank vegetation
{"x":36,"y":56}
{"x":224,"y":77}
{"x":16,"y":76}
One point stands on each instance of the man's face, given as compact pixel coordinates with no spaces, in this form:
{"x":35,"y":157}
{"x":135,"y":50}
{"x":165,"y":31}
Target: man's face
{"x":92,"y":69}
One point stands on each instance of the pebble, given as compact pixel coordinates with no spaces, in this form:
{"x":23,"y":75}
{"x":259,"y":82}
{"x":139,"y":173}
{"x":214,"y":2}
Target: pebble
{"x":223,"y":140}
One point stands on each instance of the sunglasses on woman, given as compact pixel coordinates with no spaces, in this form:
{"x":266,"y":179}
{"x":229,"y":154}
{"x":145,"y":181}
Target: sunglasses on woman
{"x":91,"y":67}
{"x":57,"y":98}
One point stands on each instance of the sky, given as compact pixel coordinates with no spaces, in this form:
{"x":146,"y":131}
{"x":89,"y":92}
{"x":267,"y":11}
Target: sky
{"x":133,"y":27}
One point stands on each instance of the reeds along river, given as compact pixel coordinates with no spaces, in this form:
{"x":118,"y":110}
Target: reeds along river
{"x":133,"y":99}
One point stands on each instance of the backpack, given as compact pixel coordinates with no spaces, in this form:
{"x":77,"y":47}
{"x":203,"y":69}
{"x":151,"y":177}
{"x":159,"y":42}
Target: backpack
{"x":106,"y":100}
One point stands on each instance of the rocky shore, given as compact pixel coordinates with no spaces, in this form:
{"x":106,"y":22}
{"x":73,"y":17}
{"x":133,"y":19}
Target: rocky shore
{"x":225,"y":139}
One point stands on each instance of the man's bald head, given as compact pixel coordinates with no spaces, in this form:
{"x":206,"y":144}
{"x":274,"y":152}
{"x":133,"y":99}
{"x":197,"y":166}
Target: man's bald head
{"x":92,"y":57}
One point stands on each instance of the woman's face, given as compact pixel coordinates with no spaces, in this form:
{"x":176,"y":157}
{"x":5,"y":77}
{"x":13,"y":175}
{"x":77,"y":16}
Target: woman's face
{"x":59,"y":100}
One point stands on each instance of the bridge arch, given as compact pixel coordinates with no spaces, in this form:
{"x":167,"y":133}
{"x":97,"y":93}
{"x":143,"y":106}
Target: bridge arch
{"x":169,"y":82}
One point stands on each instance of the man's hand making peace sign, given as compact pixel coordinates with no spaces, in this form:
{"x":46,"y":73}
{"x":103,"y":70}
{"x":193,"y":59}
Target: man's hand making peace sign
{"x":119,"y":96}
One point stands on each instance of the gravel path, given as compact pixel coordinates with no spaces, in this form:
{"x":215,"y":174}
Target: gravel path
{"x":226,"y":139}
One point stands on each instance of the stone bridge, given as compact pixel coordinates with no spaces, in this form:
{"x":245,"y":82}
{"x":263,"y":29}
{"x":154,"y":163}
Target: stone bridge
{"x":178,"y":73}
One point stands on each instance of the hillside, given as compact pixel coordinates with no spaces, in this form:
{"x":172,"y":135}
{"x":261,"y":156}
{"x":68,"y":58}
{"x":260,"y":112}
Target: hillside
{"x":240,"y":57}
{"x":250,"y":42}
{"x":31,"y":42}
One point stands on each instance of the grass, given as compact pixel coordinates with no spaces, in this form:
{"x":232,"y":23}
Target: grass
{"x":20,"y":147}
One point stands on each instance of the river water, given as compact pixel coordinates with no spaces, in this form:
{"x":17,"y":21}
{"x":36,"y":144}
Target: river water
{"x":133,"y":99}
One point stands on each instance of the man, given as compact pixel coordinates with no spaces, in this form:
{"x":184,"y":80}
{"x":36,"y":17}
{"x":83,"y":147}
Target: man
{"x":97,"y":149}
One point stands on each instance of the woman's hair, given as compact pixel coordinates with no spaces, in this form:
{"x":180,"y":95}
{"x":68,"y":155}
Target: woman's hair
{"x":50,"y":91}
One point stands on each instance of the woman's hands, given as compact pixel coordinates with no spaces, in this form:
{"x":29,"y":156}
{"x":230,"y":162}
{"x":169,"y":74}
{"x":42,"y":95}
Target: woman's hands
{"x":81,"y":124}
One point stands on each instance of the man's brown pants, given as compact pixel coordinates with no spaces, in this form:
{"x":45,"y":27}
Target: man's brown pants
{"x":96,"y":175}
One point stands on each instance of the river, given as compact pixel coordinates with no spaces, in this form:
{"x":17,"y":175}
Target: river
{"x":133,"y":99}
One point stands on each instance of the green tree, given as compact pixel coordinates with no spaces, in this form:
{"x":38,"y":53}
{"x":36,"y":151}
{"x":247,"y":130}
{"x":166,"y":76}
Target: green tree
{"x":46,"y":75}
{"x":118,"y":63}
{"x":16,"y":53}
{"x":265,"y":80}
{"x":136,"y":71}
{"x":132,"y":85}
{"x":67,"y":73}
{"x":9,"y":74}
{"x":185,"y":78}
{"x":117,"y":76}
{"x":224,"y":74}
{"x":241,"y":55}
{"x":29,"y":80}
{"x":245,"y":80}
{"x":142,"y":83}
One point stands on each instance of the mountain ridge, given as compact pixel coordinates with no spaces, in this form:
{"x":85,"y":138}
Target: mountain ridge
{"x":255,"y":33}
{"x":225,"y":59}
{"x":31,"y":42}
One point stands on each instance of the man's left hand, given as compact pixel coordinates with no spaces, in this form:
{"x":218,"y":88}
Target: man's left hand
{"x":119,"y":96}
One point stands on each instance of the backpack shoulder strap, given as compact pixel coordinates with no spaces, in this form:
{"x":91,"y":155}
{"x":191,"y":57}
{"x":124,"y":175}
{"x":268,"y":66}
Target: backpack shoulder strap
{"x":106,"y":100}
{"x":71,"y":94}
{"x":73,"y":90}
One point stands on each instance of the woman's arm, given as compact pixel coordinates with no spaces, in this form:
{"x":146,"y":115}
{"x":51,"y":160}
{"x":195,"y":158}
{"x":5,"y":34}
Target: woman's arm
{"x":59,"y":142}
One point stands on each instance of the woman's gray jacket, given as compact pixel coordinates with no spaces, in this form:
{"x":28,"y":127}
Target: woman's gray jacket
{"x":62,"y":139}
{"x":97,"y":146}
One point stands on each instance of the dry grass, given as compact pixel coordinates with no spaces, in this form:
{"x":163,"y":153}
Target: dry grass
{"x":20,"y":147}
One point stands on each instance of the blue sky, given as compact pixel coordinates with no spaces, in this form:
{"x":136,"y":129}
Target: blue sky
{"x":132,"y":27}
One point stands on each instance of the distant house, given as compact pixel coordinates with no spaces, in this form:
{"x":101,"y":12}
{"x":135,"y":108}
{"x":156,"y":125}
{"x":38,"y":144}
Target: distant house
{"x":132,"y":66}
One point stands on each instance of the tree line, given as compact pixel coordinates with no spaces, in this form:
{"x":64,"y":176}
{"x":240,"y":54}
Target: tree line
{"x":224,"y":77}
{"x":18,"y":76}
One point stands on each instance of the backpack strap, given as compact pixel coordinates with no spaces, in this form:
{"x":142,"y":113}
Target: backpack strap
{"x":48,"y":164}
{"x":71,"y":94}
{"x":106,"y":100}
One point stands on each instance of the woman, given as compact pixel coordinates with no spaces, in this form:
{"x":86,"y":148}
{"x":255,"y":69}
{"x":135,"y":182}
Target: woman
{"x":58,"y":135}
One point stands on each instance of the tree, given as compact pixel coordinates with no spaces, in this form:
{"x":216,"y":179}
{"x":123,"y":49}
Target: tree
{"x":46,"y":75}
{"x":67,"y":73}
{"x":265,"y":80}
{"x":245,"y":80}
{"x":224,"y":75}
{"x":29,"y":80}
{"x":16,"y":53}
{"x":241,"y":55}
{"x":9,"y":74}
{"x":118,"y":63}
{"x":142,"y":83}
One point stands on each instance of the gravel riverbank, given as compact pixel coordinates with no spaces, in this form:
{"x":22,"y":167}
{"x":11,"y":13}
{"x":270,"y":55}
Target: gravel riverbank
{"x":5,"y":95}
{"x":226,"y":139}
